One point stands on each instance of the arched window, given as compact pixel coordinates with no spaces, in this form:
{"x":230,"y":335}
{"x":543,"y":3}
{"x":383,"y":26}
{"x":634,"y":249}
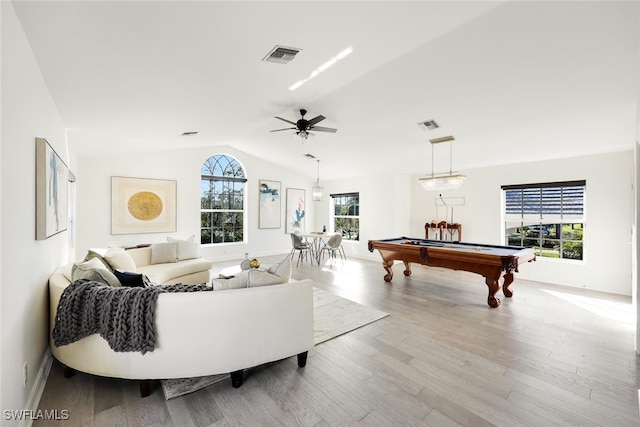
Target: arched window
{"x":222,"y":184}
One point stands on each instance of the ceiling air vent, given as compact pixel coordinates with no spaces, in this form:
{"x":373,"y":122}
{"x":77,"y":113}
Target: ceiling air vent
{"x":281,"y":54}
{"x":428,"y":125}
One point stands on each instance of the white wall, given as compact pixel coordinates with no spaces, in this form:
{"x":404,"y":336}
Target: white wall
{"x":635,"y":255}
{"x":94,"y":200}
{"x":609,"y":216}
{"x":385,"y":206}
{"x":27,"y":112}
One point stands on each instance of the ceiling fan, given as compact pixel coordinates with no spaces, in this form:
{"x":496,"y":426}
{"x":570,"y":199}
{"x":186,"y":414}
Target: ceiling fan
{"x":303,"y":126}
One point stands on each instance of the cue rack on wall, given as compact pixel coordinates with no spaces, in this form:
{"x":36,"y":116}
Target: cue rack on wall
{"x":445,"y":230}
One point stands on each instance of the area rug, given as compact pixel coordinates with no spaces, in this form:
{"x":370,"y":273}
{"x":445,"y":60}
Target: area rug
{"x":332,"y":316}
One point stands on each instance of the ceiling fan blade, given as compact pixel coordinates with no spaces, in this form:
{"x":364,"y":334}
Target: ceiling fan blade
{"x":278,"y":130}
{"x":285,"y":120}
{"x":323,"y":129}
{"x":316,"y":119}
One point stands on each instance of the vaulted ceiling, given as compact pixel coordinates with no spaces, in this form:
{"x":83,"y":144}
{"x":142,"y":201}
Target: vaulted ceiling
{"x":511,"y":81}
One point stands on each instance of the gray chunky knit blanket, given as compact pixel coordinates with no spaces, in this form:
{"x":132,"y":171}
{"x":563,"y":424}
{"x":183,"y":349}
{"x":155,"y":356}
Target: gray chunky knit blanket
{"x":123,"y":316}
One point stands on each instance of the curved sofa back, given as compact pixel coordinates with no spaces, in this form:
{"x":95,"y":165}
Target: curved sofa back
{"x":202,"y":333}
{"x":141,"y":256}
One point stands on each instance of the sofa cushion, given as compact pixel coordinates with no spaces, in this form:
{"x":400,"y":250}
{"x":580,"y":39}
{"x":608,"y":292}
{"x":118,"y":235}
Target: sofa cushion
{"x":119,"y":259}
{"x":162,"y":253}
{"x":93,"y":270}
{"x":282,"y":269}
{"x":187,"y":249}
{"x":162,"y":273}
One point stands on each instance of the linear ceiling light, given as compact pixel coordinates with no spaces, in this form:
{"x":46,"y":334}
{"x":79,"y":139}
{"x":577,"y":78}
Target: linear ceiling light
{"x":442,"y":181}
{"x":343,"y":54}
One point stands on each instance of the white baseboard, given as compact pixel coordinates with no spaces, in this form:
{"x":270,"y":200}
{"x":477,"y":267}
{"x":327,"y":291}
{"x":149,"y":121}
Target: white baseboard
{"x":38,"y":387}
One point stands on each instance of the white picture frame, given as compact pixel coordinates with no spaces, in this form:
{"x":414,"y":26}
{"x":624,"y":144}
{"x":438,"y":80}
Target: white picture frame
{"x":142,"y":205}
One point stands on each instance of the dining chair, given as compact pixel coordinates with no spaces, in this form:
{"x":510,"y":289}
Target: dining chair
{"x":341,"y":248}
{"x":298,"y":244}
{"x":332,"y":246}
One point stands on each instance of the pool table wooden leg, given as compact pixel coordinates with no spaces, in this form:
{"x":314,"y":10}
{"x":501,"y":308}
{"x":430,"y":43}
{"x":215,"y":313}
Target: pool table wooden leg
{"x":387,"y":266}
{"x":494,"y":287}
{"x":508,"y":279}
{"x":407,"y":268}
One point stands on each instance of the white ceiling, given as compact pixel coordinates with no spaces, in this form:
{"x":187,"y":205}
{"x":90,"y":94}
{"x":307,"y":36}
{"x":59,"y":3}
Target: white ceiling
{"x":511,"y":81}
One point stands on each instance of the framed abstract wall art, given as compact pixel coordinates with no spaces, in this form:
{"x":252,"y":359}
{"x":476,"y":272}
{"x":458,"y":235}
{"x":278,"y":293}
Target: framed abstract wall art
{"x":270,"y":204}
{"x":141,"y":205}
{"x":52,"y":187}
{"x":295,"y":210}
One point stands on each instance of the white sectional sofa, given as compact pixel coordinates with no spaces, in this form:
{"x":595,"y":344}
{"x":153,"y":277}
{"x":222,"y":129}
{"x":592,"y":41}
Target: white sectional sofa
{"x":199,"y":333}
{"x":191,"y":271}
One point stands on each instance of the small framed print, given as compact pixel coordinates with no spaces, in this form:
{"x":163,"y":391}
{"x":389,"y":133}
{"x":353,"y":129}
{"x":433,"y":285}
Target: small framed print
{"x":296,"y":210}
{"x":269,"y":215}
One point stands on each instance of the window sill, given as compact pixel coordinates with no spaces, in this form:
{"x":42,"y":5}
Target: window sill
{"x":214,"y":245}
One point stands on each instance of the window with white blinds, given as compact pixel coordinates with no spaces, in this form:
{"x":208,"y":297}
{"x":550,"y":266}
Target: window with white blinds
{"x":549,"y":217}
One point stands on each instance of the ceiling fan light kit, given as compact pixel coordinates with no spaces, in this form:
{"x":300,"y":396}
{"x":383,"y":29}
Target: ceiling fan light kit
{"x":303,"y":127}
{"x":442,"y":181}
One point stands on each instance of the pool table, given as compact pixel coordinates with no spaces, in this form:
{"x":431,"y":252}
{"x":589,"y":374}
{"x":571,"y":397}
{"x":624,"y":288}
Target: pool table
{"x":490,"y":261}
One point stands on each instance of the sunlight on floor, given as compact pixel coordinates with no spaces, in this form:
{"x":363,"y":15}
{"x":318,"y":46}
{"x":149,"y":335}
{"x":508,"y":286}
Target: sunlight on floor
{"x":344,"y":266}
{"x":611,"y":310}
{"x":343,"y":270}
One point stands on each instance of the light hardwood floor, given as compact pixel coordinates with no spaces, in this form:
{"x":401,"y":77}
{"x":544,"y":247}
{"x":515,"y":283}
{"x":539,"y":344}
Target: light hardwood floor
{"x":549,"y":356}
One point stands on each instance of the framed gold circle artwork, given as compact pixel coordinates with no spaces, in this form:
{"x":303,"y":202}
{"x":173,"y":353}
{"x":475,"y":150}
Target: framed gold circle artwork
{"x":142,"y":205}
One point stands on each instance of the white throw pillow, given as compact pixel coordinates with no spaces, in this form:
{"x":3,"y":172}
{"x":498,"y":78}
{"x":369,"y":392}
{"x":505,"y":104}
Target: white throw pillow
{"x":282,"y":269}
{"x":119,"y":259}
{"x":164,"y":252}
{"x":93,"y":270}
{"x":187,"y":249}
{"x":235,"y":282}
{"x":262,"y":278}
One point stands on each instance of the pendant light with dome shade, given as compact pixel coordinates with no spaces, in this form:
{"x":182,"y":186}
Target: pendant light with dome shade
{"x":316,"y":191}
{"x":442,"y":181}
